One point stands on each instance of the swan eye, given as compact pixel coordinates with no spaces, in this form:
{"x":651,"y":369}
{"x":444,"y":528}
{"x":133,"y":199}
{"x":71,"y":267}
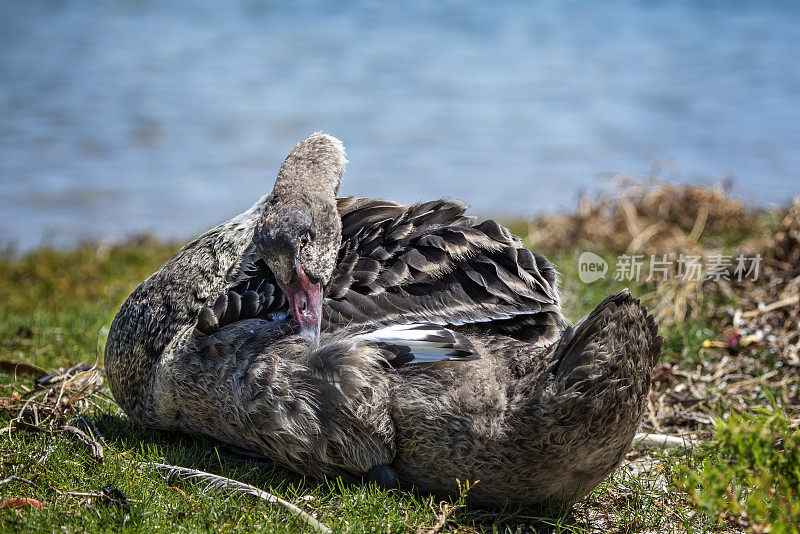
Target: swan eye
{"x":304,"y":240}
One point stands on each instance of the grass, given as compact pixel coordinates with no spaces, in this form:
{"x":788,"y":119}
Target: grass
{"x":55,"y":310}
{"x":750,"y":474}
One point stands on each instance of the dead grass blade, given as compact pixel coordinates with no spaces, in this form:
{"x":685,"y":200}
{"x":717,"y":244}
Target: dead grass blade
{"x":21,"y":368}
{"x":57,"y":398}
{"x":446,"y":510}
{"x":219,"y":482}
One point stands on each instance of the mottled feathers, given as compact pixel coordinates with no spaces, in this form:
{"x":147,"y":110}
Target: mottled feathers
{"x":425,"y":263}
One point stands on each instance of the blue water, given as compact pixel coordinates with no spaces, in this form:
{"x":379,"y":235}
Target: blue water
{"x":119,"y":118}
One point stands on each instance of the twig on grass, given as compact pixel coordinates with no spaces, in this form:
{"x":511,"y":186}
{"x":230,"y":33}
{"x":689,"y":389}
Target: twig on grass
{"x":91,"y":446}
{"x":788,"y":301}
{"x":88,"y":422}
{"x":662,"y":441}
{"x":15,"y":478}
{"x":219,"y":482}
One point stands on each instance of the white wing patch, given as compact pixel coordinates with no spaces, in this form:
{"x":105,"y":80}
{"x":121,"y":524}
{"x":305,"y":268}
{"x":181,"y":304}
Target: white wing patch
{"x":423,"y":343}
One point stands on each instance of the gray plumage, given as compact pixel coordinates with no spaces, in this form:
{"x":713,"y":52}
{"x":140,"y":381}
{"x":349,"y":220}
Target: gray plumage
{"x":531,"y":407}
{"x":302,"y":203}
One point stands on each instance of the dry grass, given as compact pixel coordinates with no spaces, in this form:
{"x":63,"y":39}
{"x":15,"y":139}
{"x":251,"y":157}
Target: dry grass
{"x":647,"y":216}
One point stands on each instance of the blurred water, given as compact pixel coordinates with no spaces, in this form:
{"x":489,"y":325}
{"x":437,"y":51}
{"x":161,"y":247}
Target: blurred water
{"x":168,"y":117}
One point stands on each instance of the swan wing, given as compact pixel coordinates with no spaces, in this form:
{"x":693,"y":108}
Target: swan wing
{"x":431,"y":263}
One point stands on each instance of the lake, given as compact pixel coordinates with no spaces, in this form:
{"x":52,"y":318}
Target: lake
{"x":118,"y":118}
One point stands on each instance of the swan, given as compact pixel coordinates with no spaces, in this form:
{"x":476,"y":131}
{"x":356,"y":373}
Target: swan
{"x":363,"y":339}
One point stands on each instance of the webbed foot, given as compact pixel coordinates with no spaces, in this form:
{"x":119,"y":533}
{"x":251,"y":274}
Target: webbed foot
{"x":384,"y":476}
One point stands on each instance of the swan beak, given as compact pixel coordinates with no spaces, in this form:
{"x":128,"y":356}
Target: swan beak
{"x":305,"y":301}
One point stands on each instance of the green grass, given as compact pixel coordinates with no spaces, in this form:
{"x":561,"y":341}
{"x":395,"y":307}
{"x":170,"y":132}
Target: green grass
{"x":750,"y":473}
{"x":55,"y":310}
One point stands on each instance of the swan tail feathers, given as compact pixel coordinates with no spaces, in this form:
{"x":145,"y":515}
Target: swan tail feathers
{"x":617,"y":343}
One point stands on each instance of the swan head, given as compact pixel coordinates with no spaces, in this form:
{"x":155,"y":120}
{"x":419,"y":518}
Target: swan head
{"x":300,"y":232}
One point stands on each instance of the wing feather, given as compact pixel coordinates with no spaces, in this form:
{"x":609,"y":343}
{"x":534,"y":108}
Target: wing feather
{"x":431,"y":263}
{"x":425,"y":263}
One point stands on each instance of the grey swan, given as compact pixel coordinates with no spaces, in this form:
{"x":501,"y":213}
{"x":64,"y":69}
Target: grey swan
{"x":364,"y":339}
